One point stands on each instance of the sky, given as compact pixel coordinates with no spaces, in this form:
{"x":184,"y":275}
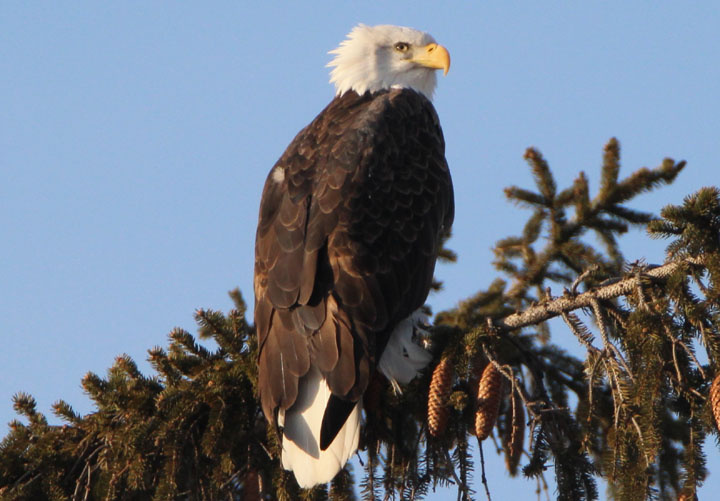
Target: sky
{"x":135,"y":138}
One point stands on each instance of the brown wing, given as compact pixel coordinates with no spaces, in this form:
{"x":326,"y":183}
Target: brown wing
{"x":350,"y":224}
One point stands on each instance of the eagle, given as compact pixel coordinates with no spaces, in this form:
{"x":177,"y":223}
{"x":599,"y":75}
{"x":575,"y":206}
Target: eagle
{"x":352,"y":218}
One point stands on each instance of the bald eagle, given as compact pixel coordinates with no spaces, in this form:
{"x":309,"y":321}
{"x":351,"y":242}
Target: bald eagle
{"x":351,"y":221}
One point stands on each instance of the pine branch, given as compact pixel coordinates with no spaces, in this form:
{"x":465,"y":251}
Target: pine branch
{"x":550,"y":309}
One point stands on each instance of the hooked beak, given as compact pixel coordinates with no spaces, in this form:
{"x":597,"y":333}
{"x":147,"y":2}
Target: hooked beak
{"x":433,"y":56}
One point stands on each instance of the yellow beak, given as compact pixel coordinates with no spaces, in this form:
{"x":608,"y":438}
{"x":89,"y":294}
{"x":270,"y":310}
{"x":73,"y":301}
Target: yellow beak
{"x":433,"y":56}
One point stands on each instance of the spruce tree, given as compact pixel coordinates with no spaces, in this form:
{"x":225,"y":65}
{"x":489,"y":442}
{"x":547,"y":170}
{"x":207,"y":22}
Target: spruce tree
{"x":636,"y":410}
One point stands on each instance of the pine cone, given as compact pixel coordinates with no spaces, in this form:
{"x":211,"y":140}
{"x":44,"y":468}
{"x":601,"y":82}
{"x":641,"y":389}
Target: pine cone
{"x":476,"y":369}
{"x":516,"y":435}
{"x":715,"y":399}
{"x":488,"y":401}
{"x":438,"y":395}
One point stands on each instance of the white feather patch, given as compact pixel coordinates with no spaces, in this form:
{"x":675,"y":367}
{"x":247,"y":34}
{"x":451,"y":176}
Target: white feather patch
{"x":365,"y":61}
{"x":278,"y":174}
{"x":301,"y":436}
{"x":403,"y":356}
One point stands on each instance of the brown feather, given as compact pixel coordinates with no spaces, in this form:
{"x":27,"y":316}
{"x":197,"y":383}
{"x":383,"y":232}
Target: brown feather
{"x":307,"y":276}
{"x":323,"y":346}
{"x":310,"y":317}
{"x":342,"y":377}
{"x":295,"y":359}
{"x":278,"y":387}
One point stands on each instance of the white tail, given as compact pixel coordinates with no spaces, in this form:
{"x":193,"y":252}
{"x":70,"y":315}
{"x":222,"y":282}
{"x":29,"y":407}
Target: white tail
{"x":301,"y":436}
{"x":400,"y":362}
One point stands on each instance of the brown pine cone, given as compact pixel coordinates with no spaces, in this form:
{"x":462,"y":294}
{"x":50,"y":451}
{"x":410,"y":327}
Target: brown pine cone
{"x":488,"y":401}
{"x":476,"y":369}
{"x":515,"y":439}
{"x":715,"y":399}
{"x":438,"y":395}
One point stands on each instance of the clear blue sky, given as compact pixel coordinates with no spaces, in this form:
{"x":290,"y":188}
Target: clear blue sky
{"x":135,"y":138}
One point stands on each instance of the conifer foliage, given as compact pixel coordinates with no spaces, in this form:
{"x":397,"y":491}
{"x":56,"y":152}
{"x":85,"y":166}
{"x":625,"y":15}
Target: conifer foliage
{"x":636,"y":409}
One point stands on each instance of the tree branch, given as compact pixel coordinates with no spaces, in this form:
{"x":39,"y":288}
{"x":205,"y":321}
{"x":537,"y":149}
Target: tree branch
{"x":550,"y":309}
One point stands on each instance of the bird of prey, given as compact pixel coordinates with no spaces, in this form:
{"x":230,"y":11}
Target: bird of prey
{"x":351,"y":220}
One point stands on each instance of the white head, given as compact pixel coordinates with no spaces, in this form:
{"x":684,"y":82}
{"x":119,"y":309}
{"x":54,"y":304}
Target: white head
{"x":373,"y":58}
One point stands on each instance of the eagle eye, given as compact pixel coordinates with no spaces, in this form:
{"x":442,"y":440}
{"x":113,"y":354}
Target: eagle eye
{"x":402,"y":46}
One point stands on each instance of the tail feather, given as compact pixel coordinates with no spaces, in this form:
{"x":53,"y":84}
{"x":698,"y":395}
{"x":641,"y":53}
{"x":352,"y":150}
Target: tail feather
{"x":336,"y":414}
{"x":301,"y":451}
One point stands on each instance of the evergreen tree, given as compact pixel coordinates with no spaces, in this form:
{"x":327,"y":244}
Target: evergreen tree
{"x":635,"y":410}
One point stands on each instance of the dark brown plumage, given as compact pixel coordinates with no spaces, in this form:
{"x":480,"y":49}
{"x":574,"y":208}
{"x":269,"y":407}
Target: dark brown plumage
{"x":351,"y":220}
